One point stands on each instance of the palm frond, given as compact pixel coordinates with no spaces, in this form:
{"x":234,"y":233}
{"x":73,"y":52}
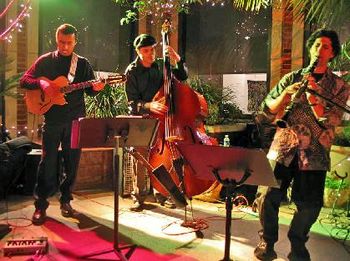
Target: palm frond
{"x":327,"y":13}
{"x":10,"y":86}
{"x":251,"y":5}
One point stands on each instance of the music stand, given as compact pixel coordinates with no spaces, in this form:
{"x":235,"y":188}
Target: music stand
{"x":131,"y":131}
{"x":232,"y":167}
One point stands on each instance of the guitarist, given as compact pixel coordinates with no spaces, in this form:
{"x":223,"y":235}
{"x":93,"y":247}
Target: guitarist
{"x":58,"y":119}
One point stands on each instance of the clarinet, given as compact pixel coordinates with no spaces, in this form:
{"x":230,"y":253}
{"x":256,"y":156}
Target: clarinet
{"x":282,"y":123}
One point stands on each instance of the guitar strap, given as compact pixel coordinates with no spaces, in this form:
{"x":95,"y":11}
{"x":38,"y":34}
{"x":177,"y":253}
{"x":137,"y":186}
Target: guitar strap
{"x":73,"y":67}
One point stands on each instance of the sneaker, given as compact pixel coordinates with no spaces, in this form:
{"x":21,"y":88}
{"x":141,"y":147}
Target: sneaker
{"x":168,"y":203}
{"x":165,"y":202}
{"x":136,"y":207}
{"x":265,"y":251}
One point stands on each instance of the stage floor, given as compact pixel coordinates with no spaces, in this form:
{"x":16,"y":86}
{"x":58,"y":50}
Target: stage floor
{"x":157,"y":231}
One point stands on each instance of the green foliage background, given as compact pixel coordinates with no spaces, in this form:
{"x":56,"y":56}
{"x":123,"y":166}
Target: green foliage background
{"x":109,"y":102}
{"x":220,"y":106}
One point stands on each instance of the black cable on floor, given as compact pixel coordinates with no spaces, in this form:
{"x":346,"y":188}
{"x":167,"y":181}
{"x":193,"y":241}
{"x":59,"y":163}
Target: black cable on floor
{"x":340,"y":231}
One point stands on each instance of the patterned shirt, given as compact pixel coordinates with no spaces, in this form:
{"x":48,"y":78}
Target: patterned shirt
{"x":305,"y":136}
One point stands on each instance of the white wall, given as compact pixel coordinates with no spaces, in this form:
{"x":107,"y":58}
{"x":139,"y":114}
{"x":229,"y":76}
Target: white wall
{"x":238,"y":83}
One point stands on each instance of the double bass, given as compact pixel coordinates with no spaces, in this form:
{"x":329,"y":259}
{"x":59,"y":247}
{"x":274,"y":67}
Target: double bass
{"x":183,"y":122}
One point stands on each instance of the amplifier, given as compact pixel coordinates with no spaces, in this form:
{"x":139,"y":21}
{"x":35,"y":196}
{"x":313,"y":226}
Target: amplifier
{"x":26,"y":246}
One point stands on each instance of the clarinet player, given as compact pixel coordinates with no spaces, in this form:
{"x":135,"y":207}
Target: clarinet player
{"x":301,"y":147}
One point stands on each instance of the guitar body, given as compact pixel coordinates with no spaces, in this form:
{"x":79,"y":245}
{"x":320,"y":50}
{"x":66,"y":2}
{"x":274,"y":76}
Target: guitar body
{"x":39,"y":103}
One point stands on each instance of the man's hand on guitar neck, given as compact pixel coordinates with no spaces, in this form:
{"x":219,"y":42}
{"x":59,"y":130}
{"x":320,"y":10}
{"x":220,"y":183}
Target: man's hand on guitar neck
{"x":47,"y":88}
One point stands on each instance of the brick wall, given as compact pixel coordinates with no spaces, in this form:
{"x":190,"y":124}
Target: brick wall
{"x":95,"y":169}
{"x":287,"y":35}
{"x":287,"y":41}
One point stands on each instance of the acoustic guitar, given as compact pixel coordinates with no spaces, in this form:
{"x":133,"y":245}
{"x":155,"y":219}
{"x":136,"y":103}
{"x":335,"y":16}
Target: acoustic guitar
{"x":39,"y":103}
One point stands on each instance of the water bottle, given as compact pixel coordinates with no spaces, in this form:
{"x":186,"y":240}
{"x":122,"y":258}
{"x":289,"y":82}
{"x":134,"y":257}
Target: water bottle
{"x":226,"y":141}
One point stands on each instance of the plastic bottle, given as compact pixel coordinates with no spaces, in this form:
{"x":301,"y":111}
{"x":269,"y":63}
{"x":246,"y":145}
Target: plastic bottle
{"x":226,"y":141}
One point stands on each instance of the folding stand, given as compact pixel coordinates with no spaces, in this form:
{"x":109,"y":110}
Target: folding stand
{"x":231,"y":166}
{"x":114,"y":132}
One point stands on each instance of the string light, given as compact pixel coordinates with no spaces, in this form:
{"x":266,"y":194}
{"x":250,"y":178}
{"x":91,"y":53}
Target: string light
{"x":14,"y":24}
{"x":245,"y":33}
{"x":22,"y":131}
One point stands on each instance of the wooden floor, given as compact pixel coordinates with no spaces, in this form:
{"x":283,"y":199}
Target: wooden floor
{"x":157,"y":231}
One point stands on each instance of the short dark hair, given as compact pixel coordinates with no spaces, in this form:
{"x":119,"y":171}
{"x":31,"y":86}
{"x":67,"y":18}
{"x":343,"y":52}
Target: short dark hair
{"x":332,"y":35}
{"x":144,"y":40}
{"x":67,"y":29}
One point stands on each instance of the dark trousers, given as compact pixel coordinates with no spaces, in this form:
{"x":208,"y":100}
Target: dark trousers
{"x":307,"y":194}
{"x":46,"y":184}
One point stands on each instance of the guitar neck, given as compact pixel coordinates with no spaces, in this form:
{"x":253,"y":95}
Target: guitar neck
{"x":76,"y":86}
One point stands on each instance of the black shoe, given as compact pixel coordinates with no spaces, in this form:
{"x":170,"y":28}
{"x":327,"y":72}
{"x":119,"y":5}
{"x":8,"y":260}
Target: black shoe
{"x":136,"y":207}
{"x":299,"y":253}
{"x":67,"y":210}
{"x":39,"y":217}
{"x":265,"y":251}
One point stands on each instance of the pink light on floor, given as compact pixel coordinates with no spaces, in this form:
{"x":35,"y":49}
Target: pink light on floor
{"x":90,"y":237}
